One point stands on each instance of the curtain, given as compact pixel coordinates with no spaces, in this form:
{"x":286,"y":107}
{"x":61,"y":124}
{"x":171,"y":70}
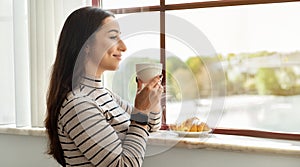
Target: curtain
{"x":46,"y":19}
{"x":21,"y":63}
{"x":7,"y":84}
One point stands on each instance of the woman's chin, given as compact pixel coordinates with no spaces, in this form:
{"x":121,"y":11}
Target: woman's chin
{"x":114,"y":68}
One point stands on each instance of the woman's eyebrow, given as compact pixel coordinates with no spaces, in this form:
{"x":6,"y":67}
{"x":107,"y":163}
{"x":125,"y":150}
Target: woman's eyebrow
{"x":113,"y":30}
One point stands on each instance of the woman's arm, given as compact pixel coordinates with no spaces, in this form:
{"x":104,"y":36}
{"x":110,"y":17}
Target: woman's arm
{"x":127,"y":107}
{"x":96,"y":138}
{"x":154,"y":116}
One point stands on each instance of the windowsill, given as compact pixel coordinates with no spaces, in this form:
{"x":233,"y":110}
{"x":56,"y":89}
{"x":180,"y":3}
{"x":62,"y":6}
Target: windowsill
{"x":28,"y":131}
{"x":211,"y":142}
{"x":227,"y":143}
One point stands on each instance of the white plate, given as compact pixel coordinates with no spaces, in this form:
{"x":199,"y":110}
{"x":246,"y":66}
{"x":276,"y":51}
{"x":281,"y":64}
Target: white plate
{"x":192,"y":134}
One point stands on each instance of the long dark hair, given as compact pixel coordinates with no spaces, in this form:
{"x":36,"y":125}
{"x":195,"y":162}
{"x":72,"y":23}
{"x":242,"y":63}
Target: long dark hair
{"x":78,"y":27}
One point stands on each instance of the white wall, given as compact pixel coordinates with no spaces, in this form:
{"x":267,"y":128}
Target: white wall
{"x":29,"y":151}
{"x":24,"y":151}
{"x":180,"y":157}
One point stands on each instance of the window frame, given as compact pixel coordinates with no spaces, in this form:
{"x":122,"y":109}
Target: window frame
{"x":162,"y":8}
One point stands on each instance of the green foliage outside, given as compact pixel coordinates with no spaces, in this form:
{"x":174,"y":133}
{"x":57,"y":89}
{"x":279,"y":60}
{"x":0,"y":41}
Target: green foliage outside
{"x":191,"y":79}
{"x":266,"y":81}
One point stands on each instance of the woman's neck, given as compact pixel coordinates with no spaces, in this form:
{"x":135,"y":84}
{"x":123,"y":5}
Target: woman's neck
{"x":91,"y":75}
{"x":92,"y":70}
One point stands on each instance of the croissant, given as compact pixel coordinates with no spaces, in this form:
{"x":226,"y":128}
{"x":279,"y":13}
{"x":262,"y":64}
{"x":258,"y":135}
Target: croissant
{"x":190,"y":125}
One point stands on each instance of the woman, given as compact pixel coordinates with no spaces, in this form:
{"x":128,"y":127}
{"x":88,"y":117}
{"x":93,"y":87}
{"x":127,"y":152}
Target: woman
{"x":88,"y":125}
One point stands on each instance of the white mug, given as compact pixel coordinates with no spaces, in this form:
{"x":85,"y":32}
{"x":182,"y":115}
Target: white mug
{"x":147,"y":71}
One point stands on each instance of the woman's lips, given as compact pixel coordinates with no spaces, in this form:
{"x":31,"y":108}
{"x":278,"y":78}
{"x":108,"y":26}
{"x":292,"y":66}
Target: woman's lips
{"x":119,"y":57}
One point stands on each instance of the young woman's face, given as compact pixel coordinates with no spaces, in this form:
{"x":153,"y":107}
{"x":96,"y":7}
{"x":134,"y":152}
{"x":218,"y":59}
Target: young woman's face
{"x":105,"y":52}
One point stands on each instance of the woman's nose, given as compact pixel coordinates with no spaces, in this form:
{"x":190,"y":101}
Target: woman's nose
{"x":122,"y":46}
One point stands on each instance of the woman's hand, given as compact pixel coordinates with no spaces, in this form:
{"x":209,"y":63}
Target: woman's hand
{"x":148,"y":98}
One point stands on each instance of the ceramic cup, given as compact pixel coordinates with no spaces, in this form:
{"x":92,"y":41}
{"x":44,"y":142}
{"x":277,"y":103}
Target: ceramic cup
{"x":147,"y":71}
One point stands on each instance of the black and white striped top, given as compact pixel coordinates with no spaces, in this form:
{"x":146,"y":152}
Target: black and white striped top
{"x":94,"y":128}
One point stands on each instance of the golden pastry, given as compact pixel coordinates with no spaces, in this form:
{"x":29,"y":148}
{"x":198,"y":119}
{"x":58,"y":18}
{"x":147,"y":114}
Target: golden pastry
{"x":190,"y":125}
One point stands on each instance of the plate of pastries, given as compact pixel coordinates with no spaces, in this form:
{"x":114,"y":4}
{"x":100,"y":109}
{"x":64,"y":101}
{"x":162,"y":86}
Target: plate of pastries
{"x":191,"y":127}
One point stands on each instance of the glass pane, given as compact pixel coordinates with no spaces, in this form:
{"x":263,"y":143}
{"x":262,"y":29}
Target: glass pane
{"x":113,"y":4}
{"x":142,"y":42}
{"x":258,"y":48}
{"x":7,"y":97}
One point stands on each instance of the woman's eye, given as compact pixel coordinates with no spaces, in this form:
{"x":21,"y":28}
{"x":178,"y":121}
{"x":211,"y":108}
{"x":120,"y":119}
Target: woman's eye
{"x":113,"y":37}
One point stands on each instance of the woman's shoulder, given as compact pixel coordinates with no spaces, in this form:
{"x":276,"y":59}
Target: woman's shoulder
{"x":76,"y":97}
{"x":76,"y":103}
{"x":112,"y":94}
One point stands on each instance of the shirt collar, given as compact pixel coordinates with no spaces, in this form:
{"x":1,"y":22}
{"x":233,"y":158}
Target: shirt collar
{"x":91,"y":81}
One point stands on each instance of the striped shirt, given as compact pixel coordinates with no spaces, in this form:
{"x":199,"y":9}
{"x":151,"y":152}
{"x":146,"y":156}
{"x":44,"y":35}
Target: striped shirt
{"x":94,"y":128}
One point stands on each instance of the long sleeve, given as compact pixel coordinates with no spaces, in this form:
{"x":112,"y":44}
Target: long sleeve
{"x":123,"y":103}
{"x":154,"y":117}
{"x":82,"y":121}
{"x":154,"y":121}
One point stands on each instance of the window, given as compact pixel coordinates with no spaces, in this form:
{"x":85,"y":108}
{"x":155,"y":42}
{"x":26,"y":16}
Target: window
{"x":243,"y":65}
{"x":257,"y":46}
{"x":245,"y":68}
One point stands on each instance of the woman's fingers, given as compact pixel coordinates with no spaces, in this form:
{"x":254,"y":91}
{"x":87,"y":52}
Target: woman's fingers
{"x":139,"y":84}
{"x":161,"y":88}
{"x":149,"y":97}
{"x":150,"y":85}
{"x":154,"y":81}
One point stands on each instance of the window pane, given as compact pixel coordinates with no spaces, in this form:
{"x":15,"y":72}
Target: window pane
{"x":113,"y":4}
{"x":7,"y":97}
{"x":258,"y":47}
{"x":142,"y":41}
